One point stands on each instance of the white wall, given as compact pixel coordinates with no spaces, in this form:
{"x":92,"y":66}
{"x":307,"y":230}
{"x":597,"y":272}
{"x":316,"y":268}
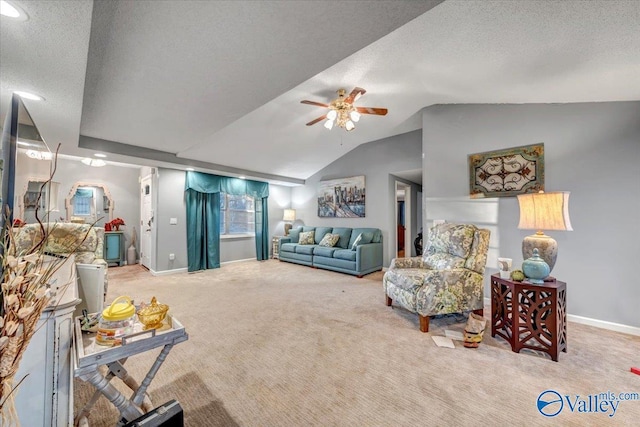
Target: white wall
{"x":377,"y":161}
{"x":592,"y":150}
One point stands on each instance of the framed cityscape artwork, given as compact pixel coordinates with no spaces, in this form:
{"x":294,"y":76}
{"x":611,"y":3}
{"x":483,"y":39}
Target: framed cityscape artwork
{"x":507,"y":172}
{"x":342,"y":198}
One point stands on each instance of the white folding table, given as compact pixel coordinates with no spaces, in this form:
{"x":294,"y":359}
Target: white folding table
{"x":89,"y":356}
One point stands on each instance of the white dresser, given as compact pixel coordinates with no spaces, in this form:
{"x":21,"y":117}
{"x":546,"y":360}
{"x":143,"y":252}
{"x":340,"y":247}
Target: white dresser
{"x":45,"y":397}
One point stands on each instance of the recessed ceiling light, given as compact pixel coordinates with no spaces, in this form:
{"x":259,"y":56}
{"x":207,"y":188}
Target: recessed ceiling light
{"x":28,"y":95}
{"x":12,"y":11}
{"x":93,"y":162}
{"x":100,"y":155}
{"x":190,"y":169}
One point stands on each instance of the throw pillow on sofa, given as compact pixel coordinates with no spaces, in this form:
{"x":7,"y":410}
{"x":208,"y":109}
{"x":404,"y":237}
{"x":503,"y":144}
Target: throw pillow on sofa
{"x":362,"y":239}
{"x":306,"y":238}
{"x":329,"y":240}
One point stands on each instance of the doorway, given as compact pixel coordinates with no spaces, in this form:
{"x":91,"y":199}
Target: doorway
{"x":146,"y":220}
{"x":403,"y":205}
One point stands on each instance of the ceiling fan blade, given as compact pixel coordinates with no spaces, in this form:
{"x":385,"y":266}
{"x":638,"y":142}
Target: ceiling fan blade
{"x":319,"y":119}
{"x":355,"y":93}
{"x":372,"y":110}
{"x":319,"y":104}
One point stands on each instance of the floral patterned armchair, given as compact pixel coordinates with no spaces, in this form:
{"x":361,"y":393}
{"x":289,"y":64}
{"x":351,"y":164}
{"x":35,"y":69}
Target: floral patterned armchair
{"x":63,"y":239}
{"x":85,"y":241}
{"x":447,"y":278}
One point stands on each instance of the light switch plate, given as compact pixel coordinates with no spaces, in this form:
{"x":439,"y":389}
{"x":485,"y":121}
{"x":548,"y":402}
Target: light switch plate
{"x":173,"y":221}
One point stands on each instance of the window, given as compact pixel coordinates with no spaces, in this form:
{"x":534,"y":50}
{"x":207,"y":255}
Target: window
{"x":83,"y":202}
{"x":237,"y":214}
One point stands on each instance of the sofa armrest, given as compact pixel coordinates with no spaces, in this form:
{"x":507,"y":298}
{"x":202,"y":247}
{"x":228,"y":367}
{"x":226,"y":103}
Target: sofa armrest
{"x":413,"y":262}
{"x":283,"y":240}
{"x":368,"y":256}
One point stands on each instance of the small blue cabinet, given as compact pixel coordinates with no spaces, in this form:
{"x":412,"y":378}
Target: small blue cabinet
{"x":114,"y":247}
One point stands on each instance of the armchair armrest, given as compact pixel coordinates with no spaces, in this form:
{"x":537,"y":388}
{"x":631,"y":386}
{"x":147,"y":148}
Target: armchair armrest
{"x":413,"y":262}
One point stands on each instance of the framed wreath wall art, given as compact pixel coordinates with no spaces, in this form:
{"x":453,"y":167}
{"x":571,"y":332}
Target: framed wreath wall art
{"x":507,"y":172}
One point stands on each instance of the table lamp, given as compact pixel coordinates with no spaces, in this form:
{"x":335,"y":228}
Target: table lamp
{"x":543,"y":211}
{"x":288,"y":217}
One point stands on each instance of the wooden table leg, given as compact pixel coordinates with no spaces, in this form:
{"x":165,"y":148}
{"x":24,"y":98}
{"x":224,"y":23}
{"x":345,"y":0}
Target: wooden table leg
{"x":127,"y":409}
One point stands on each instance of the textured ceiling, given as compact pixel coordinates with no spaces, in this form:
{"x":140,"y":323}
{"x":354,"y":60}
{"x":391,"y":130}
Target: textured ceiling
{"x":219,"y":84}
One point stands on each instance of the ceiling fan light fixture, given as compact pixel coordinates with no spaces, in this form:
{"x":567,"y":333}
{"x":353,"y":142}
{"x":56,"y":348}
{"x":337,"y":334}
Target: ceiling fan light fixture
{"x":328,"y":124}
{"x":349,"y":125}
{"x":332,"y":114}
{"x":355,"y":116}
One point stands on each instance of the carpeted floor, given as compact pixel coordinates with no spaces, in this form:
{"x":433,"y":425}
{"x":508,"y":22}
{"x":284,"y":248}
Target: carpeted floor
{"x":277,"y":344}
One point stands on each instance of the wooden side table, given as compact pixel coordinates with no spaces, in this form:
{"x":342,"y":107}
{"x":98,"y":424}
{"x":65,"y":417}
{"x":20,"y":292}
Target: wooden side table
{"x":530,"y":316}
{"x":275,"y":245}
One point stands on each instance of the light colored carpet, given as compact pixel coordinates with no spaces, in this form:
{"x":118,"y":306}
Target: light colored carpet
{"x":277,"y":344}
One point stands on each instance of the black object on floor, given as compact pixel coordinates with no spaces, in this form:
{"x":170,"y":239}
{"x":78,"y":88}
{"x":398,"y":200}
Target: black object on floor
{"x":168,"y":414}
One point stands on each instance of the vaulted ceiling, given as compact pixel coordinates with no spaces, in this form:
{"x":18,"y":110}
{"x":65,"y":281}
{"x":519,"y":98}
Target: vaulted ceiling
{"x":218,"y":84}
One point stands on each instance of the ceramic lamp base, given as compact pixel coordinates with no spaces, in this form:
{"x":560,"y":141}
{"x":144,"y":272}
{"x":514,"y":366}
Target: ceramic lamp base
{"x":546,"y":245}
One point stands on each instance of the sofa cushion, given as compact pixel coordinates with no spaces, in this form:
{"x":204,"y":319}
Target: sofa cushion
{"x":346,"y":254}
{"x":306,"y":238}
{"x":454,"y":239}
{"x":288,"y":247}
{"x":320,"y":232}
{"x":329,"y":240}
{"x":324,"y":251}
{"x":375,"y":233}
{"x":305,"y":249}
{"x":294,"y":234}
{"x":362,"y":239}
{"x":345,"y":235}
{"x":308,"y":228}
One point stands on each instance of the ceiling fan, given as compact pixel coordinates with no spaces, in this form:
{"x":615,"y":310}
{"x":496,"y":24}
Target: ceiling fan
{"x":342,"y":111}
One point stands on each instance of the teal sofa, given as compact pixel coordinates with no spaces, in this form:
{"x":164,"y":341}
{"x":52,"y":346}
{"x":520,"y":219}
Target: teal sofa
{"x":346,"y":256}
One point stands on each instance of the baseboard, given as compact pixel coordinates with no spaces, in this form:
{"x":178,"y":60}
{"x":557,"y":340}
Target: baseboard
{"x":603,"y":324}
{"x":237,"y":260}
{"x":167,"y":272}
{"x":618,"y":327}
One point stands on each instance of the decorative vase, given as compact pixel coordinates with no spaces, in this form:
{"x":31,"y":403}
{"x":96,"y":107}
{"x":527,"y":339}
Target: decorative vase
{"x":535,"y":268}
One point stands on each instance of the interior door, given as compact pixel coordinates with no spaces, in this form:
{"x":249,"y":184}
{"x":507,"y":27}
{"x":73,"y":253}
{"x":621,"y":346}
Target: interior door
{"x":146,"y":221}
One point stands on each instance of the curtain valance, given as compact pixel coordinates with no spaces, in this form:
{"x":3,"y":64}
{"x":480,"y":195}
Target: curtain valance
{"x":84,"y":192}
{"x":207,"y":183}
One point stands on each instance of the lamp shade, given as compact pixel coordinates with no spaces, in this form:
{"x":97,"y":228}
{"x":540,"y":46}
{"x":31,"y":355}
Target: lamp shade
{"x":544,"y":211}
{"x":289,"y":215}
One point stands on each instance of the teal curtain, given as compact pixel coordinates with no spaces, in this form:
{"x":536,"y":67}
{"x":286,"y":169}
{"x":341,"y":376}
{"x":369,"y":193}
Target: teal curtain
{"x":203,"y":230}
{"x":202,"y":193}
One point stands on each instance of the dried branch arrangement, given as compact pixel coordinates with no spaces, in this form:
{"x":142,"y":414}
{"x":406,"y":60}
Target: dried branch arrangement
{"x":26,"y":282}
